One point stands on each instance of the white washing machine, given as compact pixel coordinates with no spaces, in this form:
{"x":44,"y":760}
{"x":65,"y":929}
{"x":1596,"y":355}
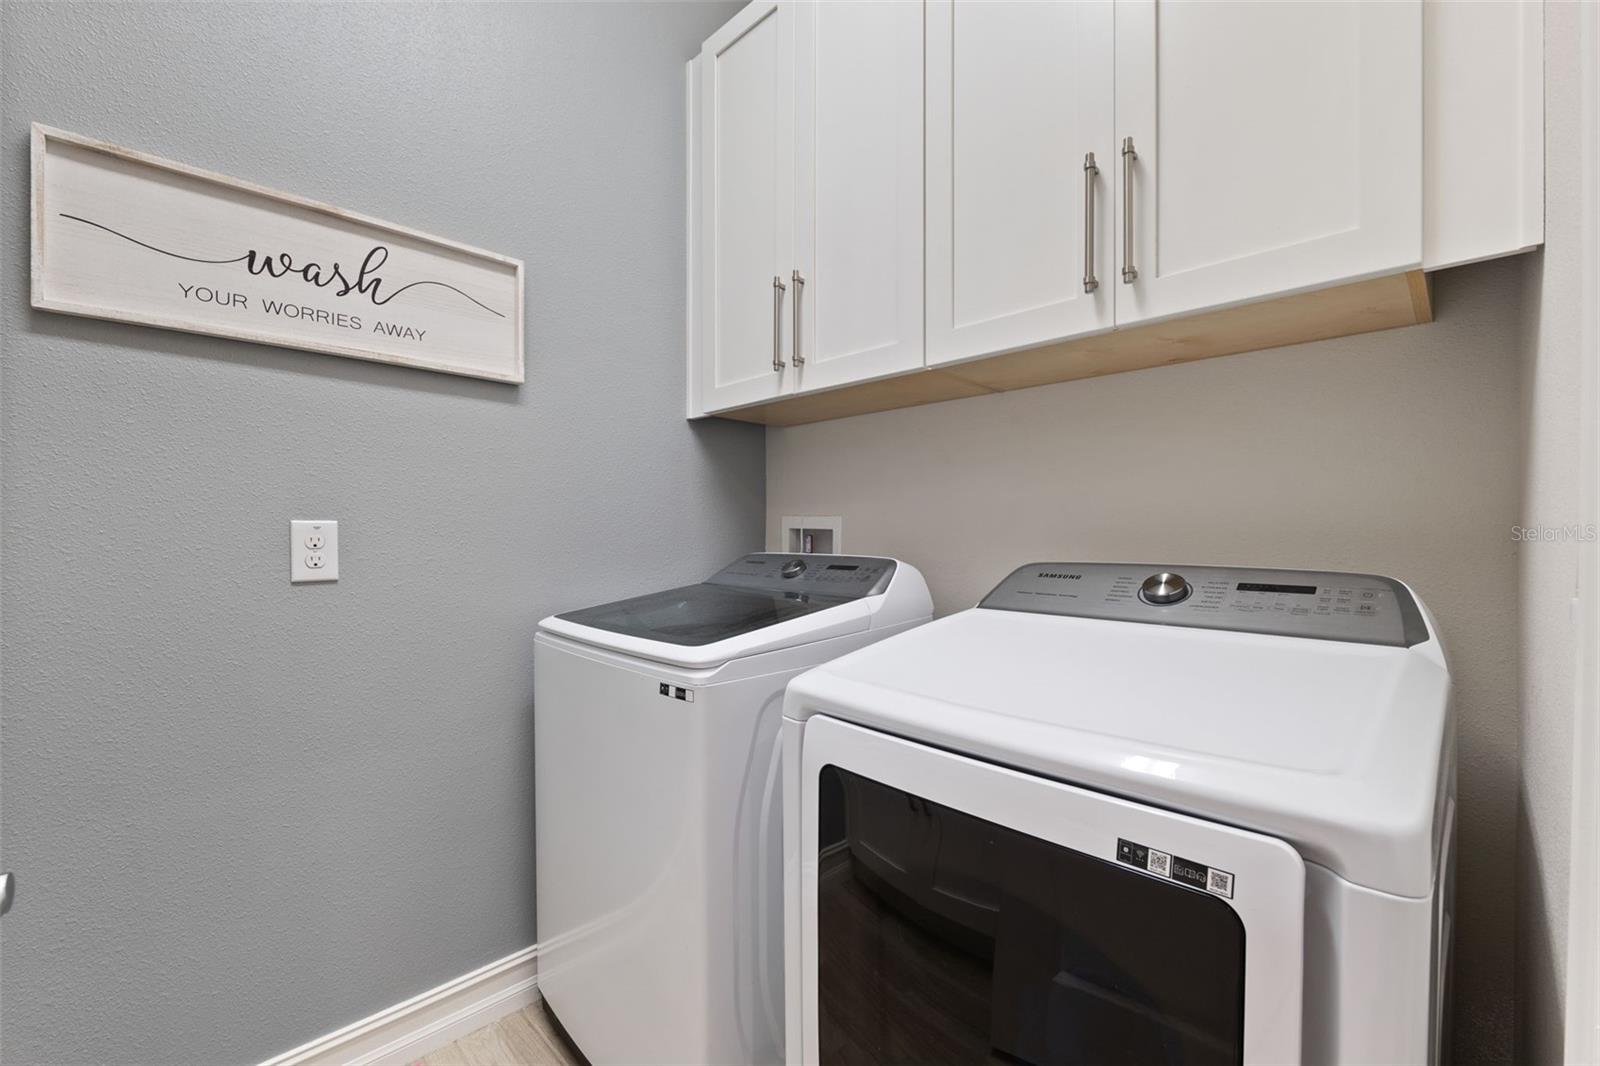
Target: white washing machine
{"x":658,"y":808}
{"x":1117,"y":813}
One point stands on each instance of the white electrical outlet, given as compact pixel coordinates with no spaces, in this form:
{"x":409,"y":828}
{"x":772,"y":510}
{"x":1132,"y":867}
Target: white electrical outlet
{"x":313,"y":551}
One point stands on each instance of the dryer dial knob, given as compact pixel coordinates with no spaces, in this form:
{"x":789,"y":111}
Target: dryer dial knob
{"x":793,"y":568}
{"x":1164,"y":589}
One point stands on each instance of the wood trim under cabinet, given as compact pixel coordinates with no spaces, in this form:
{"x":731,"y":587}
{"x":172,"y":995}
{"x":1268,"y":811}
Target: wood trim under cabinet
{"x":1360,"y":307}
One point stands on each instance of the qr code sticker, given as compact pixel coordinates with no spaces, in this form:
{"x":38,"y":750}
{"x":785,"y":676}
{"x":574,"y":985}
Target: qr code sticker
{"x":1220,"y":882}
{"x":1159,"y":863}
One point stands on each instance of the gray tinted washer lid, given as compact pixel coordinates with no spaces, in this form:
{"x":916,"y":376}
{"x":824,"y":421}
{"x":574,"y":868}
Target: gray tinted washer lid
{"x":754,"y":592}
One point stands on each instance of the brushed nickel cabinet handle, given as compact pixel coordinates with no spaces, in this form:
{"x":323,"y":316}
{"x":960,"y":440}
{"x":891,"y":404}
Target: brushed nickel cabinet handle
{"x":799,"y":281}
{"x":1129,"y":271}
{"x":777,"y":322}
{"x":1090,"y":173}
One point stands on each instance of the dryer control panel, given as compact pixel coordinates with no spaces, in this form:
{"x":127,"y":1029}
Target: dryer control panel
{"x":846,"y":577}
{"x":1363,"y":608}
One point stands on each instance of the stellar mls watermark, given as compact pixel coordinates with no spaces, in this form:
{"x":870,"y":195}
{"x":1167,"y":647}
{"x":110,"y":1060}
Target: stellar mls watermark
{"x":1572,"y":533}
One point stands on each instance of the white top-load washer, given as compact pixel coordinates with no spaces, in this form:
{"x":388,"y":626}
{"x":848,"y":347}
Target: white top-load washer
{"x":1118,"y":813}
{"x":658,"y":809}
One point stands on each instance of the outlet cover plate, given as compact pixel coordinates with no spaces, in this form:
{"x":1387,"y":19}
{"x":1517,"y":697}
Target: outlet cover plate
{"x":313,"y":551}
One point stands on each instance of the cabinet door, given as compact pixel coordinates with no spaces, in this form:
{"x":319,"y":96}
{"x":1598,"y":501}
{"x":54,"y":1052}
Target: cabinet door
{"x":1276,"y":147}
{"x":858,"y":180}
{"x":1019,"y":94}
{"x":747,"y":197}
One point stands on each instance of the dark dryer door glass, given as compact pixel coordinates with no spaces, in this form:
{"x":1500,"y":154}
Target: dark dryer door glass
{"x":943,"y":938}
{"x":700,"y":614}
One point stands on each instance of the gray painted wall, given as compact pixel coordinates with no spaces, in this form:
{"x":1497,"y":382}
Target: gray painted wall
{"x":244,"y":814}
{"x":1552,"y":441}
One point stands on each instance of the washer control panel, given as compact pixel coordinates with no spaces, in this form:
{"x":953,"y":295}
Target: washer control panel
{"x":1363,"y":608}
{"x":843,"y":576}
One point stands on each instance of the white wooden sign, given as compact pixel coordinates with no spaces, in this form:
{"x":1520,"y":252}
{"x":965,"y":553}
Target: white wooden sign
{"x":123,"y":235}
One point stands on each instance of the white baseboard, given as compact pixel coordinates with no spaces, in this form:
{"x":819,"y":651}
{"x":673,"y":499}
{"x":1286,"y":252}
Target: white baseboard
{"x":407,"y":1031}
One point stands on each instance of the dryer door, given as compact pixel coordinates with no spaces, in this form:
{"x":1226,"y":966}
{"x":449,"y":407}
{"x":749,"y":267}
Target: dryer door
{"x":954,"y":911}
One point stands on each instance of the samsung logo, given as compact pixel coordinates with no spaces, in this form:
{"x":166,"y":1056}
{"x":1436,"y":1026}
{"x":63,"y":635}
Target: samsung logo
{"x":1062,"y":577}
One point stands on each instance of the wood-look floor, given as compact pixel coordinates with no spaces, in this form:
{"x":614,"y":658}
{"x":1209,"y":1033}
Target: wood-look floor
{"x":525,"y":1038}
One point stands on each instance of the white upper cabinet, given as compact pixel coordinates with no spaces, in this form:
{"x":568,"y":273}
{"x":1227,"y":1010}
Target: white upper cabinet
{"x":1483,"y":110}
{"x":1003,"y":193}
{"x":1019,"y":101}
{"x":746,"y":175}
{"x":856,"y":282}
{"x":1275,"y":147}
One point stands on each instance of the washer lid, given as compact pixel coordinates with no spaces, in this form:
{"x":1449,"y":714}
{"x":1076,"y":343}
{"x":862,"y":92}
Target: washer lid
{"x":758,"y":603}
{"x":1337,"y":747}
{"x":700,"y":614}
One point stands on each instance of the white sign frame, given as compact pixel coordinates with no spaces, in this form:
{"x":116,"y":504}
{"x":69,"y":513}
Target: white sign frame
{"x":112,"y":267}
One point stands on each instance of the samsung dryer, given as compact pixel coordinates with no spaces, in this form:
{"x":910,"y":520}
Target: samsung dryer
{"x":1127,"y":813}
{"x":657,"y":805}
